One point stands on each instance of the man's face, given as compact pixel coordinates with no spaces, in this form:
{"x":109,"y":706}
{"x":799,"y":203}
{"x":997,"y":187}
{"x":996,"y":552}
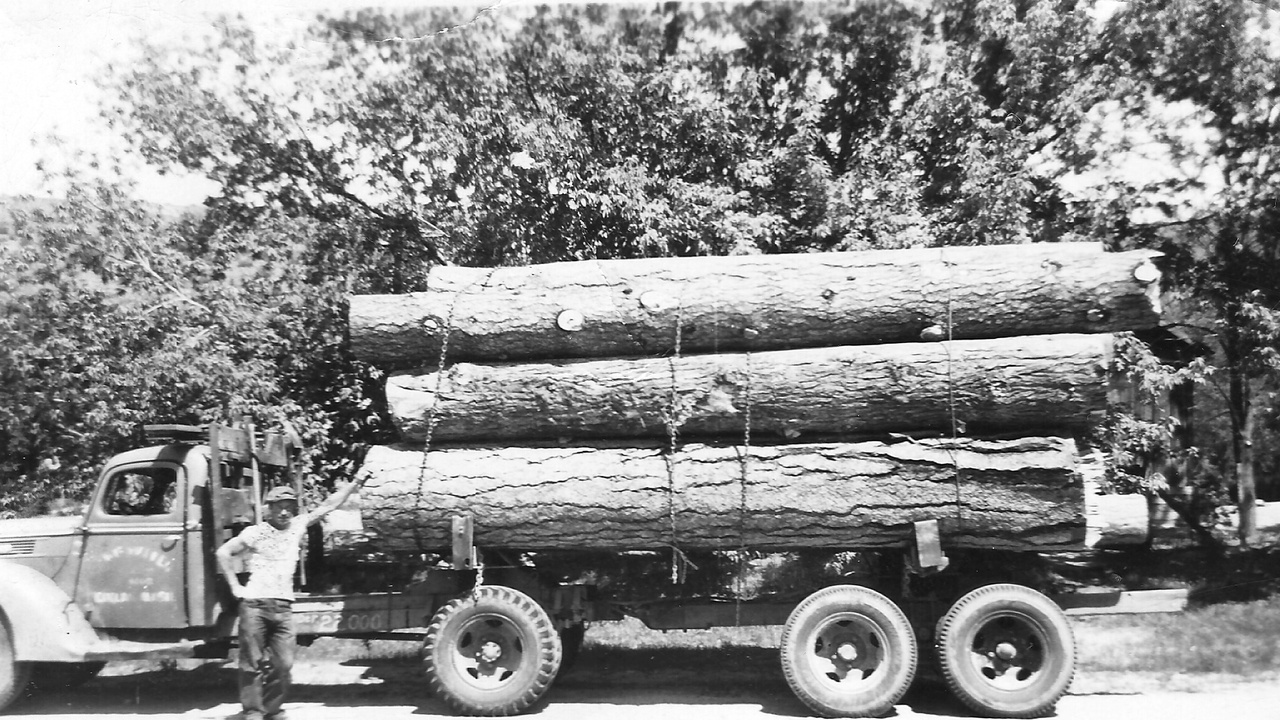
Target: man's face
{"x":281,"y":512}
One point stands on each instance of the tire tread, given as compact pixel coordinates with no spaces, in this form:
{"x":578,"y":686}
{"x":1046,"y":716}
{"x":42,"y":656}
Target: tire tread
{"x":797,"y":684}
{"x":19,"y":671}
{"x":946,"y":626}
{"x":549,"y":653}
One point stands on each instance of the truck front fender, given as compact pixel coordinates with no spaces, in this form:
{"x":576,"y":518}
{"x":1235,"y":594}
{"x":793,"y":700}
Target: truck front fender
{"x":46,"y":624}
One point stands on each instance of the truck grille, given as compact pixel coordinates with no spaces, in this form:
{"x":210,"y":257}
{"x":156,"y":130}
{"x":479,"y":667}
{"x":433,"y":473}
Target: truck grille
{"x":10,"y":548}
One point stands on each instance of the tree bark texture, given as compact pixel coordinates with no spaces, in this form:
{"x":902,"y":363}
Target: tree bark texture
{"x":1017,"y":494}
{"x":608,"y":308}
{"x":984,"y":385}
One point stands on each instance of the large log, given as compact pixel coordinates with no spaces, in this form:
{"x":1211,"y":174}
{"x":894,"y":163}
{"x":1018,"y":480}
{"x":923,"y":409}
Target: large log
{"x":983,"y":385}
{"x":610,"y":308}
{"x":1017,"y":494}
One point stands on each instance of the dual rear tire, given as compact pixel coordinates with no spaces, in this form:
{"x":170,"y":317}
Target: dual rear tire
{"x":1005,"y":650}
{"x":848,"y":651}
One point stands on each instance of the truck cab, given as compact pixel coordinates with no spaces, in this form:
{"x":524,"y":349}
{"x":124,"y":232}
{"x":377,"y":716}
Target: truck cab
{"x":143,"y":562}
{"x":134,"y":575}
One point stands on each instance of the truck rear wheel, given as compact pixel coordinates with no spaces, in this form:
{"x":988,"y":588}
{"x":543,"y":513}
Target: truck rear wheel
{"x":14,"y":675}
{"x":494,"y":652}
{"x":848,"y":651}
{"x":1006,"y":651}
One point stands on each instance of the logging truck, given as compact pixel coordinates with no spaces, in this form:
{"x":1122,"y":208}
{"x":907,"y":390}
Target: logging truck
{"x":871,"y":450}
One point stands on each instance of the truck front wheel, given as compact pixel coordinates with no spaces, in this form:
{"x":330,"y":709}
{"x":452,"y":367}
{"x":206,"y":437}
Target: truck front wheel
{"x":848,"y":651}
{"x":494,"y":652}
{"x":14,"y":675}
{"x":55,"y":676}
{"x":1007,"y":651}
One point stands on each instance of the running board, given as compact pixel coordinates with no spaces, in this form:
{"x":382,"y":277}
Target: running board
{"x":108,"y":650}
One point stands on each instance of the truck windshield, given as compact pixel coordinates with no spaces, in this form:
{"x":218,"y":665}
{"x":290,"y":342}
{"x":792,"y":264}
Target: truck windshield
{"x":142,"y":491}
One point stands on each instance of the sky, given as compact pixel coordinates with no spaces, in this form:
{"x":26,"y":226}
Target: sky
{"x":50,"y":50}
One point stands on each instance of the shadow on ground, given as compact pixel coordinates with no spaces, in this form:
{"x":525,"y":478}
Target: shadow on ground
{"x":606,"y":676}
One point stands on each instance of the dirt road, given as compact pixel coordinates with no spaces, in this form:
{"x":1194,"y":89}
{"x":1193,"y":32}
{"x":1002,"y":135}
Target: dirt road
{"x":705,"y":685}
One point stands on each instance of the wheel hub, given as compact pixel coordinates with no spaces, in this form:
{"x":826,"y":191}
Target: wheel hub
{"x":847,"y":652}
{"x":1007,"y":652}
{"x":490,"y":652}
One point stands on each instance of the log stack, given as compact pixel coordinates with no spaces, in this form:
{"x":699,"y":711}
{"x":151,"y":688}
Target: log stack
{"x":824,"y":400}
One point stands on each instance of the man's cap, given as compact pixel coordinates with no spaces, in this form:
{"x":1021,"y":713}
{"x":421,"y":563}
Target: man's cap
{"x":281,"y":494}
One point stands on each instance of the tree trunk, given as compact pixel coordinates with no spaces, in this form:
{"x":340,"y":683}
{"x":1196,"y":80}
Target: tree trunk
{"x":611,"y":308}
{"x":1241,"y":407}
{"x":1246,"y":482}
{"x":1017,"y":494}
{"x":984,"y":385}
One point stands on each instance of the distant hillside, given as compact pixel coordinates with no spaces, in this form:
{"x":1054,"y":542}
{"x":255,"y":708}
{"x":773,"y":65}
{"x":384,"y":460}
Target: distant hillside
{"x":11,"y":203}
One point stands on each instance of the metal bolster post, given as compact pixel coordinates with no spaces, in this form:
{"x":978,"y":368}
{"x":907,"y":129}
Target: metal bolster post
{"x":464,"y":548}
{"x":219,"y":503}
{"x":255,"y":472}
{"x":926,"y":554}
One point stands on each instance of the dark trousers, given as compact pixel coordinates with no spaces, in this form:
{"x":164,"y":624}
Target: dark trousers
{"x":266,"y":655}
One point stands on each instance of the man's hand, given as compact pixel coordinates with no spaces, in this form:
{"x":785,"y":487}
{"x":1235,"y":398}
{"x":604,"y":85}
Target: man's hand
{"x":335,"y":501}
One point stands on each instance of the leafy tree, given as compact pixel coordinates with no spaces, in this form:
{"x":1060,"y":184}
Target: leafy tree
{"x":114,"y":316}
{"x":1197,"y":83}
{"x":354,"y":153}
{"x":599,"y":131}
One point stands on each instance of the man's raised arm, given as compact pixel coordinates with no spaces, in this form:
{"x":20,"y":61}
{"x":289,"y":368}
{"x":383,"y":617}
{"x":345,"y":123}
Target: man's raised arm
{"x":335,"y":501}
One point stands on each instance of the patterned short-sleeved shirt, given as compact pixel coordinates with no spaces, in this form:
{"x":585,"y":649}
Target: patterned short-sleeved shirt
{"x":273,"y":558}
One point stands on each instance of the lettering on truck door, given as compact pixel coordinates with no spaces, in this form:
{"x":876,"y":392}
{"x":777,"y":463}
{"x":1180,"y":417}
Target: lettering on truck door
{"x":134,"y":568}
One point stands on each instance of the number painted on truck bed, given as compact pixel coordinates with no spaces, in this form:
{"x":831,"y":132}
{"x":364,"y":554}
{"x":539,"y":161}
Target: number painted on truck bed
{"x":329,"y":623}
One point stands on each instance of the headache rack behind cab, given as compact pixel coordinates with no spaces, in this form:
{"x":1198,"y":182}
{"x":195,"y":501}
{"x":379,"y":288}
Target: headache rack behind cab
{"x":243,"y":446}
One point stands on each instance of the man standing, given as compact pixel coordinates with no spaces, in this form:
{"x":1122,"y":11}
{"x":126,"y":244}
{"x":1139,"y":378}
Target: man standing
{"x":266,"y":616}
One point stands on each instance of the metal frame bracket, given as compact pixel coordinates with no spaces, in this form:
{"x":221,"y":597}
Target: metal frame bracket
{"x":927,"y":556}
{"x":464,"y":549}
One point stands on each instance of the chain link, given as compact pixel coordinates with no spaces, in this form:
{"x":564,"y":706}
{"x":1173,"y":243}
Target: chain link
{"x":744,"y":462}
{"x":433,"y":416}
{"x":904,"y":575}
{"x":745,"y":459}
{"x":677,"y":556}
{"x":475,"y":589}
{"x":432,"y":412}
{"x":951,"y":401}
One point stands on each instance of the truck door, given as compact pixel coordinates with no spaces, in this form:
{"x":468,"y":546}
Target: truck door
{"x":132,"y":574}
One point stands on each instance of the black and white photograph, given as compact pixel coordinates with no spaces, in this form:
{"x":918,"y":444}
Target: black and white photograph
{"x":636,"y":360}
